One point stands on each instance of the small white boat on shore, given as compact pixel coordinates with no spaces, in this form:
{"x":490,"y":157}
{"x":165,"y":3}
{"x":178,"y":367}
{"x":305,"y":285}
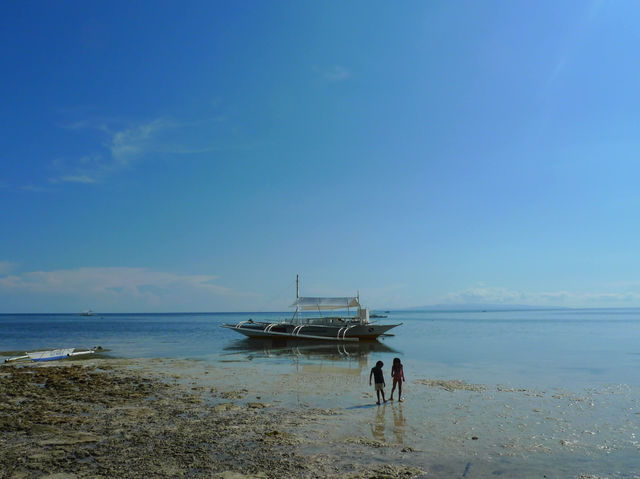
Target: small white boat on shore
{"x":52,"y":354}
{"x":347,"y":326}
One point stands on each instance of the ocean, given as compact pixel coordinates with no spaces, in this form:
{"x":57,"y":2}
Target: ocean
{"x":568,"y":347}
{"x":543,"y":392}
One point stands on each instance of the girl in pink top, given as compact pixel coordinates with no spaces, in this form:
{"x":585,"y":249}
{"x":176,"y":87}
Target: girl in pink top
{"x":398,"y":377}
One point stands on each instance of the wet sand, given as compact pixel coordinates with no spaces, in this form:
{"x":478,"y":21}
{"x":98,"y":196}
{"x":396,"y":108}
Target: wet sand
{"x":239,"y":419}
{"x":129,"y":418}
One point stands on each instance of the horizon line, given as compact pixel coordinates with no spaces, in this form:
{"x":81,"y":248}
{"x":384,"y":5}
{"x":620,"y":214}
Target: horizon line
{"x":416,"y":309}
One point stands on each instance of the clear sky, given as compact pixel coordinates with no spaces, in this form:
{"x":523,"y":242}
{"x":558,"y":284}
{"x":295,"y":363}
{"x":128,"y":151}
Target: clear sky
{"x":196,"y":156}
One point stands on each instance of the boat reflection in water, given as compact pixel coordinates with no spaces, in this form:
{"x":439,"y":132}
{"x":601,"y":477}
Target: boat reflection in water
{"x":345,"y":357}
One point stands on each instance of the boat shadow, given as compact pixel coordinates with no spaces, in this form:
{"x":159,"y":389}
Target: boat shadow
{"x":363,"y":406}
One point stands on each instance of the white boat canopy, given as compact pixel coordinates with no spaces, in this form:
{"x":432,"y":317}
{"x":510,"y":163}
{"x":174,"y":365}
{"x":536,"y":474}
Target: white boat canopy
{"x":309,"y":304}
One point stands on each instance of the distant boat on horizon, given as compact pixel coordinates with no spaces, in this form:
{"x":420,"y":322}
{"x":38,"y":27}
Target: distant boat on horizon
{"x":87,"y":312}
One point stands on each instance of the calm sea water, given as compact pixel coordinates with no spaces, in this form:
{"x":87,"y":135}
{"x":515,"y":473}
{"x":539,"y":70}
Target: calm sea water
{"x":543,"y":348}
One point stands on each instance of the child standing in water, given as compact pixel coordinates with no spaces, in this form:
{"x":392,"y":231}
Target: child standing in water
{"x":398,"y":377}
{"x":378,"y":377}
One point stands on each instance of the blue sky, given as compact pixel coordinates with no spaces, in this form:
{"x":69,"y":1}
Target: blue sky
{"x":196,"y":156}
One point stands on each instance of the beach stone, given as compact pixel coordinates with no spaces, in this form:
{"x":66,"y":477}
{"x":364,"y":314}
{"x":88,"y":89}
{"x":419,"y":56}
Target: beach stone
{"x":39,"y":456}
{"x":452,"y":385}
{"x":234,"y":394}
{"x":366,"y":442}
{"x":43,"y":429}
{"x":237,"y":475}
{"x":224,"y":407}
{"x":77,"y":438}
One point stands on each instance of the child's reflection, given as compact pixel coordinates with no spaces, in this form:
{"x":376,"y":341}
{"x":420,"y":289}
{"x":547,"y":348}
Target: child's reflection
{"x":378,"y":426}
{"x":399,"y":423}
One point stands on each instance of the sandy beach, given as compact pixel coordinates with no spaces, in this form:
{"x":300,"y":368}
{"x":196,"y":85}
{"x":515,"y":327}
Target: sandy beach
{"x":181,"y":418}
{"x":124,"y":418}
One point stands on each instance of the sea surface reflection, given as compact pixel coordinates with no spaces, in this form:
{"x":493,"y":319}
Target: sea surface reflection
{"x":312,"y":350}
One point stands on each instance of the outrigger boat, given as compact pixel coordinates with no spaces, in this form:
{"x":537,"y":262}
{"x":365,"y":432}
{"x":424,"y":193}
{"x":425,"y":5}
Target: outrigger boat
{"x":334,"y":327}
{"x":52,"y":354}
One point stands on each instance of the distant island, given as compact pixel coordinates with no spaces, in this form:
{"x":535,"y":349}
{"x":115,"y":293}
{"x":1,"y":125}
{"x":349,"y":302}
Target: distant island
{"x":481,"y":307}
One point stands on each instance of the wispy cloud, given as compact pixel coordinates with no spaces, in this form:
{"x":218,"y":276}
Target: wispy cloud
{"x":119,"y":288}
{"x":6,"y":267}
{"x":35,"y":188}
{"x":482,"y":294}
{"x":335,"y":73}
{"x":574,"y":39}
{"x":87,"y":169}
{"x":86,"y":124}
{"x":76,"y":179}
{"x":104,"y":280}
{"x":124,"y":144}
{"x":134,"y":143}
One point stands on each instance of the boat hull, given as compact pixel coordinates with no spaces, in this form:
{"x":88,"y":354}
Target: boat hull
{"x":52,"y":355}
{"x":347,"y":332}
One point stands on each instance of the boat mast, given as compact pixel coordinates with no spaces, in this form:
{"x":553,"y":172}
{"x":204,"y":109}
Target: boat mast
{"x":295,"y":314}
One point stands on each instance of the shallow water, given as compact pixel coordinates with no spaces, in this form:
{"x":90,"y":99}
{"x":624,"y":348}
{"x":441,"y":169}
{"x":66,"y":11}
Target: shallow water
{"x":557,"y":391}
{"x":578,"y":348}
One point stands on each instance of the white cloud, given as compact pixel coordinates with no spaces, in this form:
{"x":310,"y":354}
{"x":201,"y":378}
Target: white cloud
{"x":118,"y":289}
{"x":482,"y":294}
{"x":85,"y":124}
{"x":102,"y":280}
{"x":6,"y":267}
{"x":124,"y":146}
{"x":88,"y":169}
{"x":335,"y":73}
{"x":35,"y":188}
{"x":133,"y":143}
{"x":575,"y":39}
{"x":75,"y":179}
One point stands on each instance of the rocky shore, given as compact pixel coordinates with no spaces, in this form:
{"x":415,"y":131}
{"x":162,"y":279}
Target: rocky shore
{"x":111,"y":418}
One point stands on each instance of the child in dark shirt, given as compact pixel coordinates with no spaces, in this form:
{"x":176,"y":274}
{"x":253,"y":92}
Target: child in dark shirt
{"x":378,"y":377}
